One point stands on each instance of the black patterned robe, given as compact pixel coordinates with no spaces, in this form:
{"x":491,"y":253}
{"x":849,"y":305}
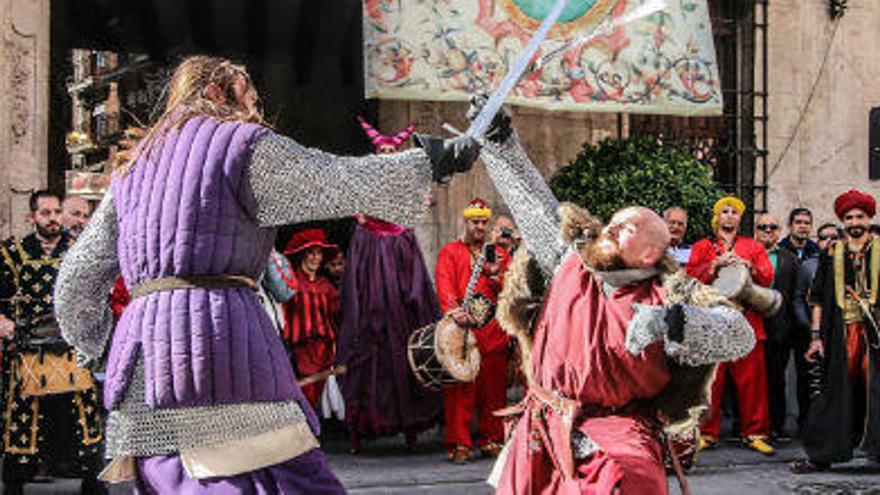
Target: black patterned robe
{"x":58,"y":434}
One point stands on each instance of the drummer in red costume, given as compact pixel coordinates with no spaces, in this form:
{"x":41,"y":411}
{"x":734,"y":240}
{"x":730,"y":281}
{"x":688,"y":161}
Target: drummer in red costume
{"x":749,"y":373}
{"x":488,"y":392}
{"x":310,"y":317}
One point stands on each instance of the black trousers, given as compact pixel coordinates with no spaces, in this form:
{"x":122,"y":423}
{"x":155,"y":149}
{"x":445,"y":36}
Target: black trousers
{"x":778,"y":352}
{"x":801,"y":341}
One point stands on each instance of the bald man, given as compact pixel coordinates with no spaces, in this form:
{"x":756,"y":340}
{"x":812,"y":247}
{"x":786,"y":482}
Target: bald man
{"x":606,"y":322}
{"x":75,"y":214}
{"x":780,"y":327}
{"x":600,"y":359}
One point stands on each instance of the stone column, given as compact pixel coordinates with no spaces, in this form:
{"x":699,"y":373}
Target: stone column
{"x":24,"y":108}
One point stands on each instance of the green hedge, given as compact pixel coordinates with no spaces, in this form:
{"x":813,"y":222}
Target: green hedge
{"x":639,"y":171}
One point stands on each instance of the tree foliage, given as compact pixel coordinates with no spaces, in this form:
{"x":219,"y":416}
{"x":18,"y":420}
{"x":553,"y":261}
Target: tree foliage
{"x":639,"y":171}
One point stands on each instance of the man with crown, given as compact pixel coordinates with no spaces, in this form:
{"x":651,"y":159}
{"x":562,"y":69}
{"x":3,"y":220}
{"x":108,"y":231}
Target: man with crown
{"x":487,"y":393}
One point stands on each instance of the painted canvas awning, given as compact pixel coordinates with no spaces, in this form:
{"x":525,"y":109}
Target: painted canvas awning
{"x":648,"y":56}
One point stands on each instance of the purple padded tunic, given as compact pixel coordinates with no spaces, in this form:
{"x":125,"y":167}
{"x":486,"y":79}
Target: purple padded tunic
{"x":183,"y":210}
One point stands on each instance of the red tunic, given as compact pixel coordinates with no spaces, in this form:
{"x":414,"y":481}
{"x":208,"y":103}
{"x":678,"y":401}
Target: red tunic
{"x":452,"y":275}
{"x":704,"y":253}
{"x":310,"y":323}
{"x":312,"y":312}
{"x":579,"y":352}
{"x":750,"y":372}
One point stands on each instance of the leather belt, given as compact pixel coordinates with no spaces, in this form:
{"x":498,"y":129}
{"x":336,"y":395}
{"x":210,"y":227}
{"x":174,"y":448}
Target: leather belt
{"x":192,"y":282}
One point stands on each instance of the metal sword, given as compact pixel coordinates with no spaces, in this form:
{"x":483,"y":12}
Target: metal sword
{"x":481,"y":122}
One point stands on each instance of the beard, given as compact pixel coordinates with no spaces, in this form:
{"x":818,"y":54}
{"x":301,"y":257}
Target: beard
{"x":856,"y":231}
{"x":49,"y":231}
{"x":75,"y":230}
{"x":603,"y":254}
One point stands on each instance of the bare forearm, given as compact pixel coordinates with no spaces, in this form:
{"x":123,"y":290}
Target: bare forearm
{"x":817,"y":318}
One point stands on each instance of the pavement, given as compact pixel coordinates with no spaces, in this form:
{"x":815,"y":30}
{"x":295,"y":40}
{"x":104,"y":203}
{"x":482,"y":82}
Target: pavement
{"x":387,"y":467}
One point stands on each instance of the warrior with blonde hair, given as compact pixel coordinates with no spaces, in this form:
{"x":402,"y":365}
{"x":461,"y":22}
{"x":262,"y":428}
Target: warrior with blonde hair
{"x":201,"y":396}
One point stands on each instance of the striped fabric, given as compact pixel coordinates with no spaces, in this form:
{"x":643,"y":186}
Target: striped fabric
{"x":313,"y":312}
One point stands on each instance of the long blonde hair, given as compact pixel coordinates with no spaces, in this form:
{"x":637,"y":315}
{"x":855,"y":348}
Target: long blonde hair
{"x":185,"y":97}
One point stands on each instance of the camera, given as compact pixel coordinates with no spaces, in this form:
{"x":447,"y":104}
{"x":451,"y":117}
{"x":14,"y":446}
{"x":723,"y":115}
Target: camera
{"x":506,"y":233}
{"x":489,"y":253}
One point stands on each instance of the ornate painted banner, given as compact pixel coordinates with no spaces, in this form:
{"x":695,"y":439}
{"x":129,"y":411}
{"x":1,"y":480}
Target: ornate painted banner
{"x":663,"y":62}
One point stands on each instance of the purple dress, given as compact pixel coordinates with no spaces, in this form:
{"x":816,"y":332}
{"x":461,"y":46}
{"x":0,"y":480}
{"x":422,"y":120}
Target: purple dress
{"x":386,"y":294}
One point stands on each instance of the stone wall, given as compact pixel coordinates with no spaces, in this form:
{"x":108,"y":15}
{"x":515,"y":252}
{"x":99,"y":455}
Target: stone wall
{"x":24,"y":108}
{"x":552,"y":140}
{"x":827,"y":152}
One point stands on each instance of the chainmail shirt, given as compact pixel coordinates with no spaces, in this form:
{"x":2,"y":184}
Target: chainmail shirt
{"x":135,"y":429}
{"x":290,"y":183}
{"x":293,"y":183}
{"x":711,"y":334}
{"x":84,"y":283}
{"x":530,"y":200}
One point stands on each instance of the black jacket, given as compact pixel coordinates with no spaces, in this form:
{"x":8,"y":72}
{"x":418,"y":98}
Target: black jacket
{"x":780,"y":327}
{"x":810,"y":250}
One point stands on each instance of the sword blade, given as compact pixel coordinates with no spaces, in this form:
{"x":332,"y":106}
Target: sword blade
{"x":481,"y":122}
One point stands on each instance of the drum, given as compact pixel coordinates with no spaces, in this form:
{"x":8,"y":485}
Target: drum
{"x":440,"y":355}
{"x":46,"y":373}
{"x":735,"y":283}
{"x":732,"y":280}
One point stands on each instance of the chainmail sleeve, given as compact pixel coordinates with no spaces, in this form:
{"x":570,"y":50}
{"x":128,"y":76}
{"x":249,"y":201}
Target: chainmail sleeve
{"x":710,"y":334}
{"x":85,"y":279}
{"x":531,"y":202}
{"x":292,"y":183}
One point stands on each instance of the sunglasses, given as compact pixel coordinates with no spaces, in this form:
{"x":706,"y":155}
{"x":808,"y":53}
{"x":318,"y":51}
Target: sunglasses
{"x":827,"y":237}
{"x":766,"y":227}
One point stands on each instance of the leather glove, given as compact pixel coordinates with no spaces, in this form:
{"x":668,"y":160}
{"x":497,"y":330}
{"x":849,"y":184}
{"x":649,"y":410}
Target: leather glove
{"x":448,"y":156}
{"x":675,"y":323}
{"x":500,"y":129}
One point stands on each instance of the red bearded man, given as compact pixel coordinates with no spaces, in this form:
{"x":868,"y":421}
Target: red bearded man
{"x":616,"y":349}
{"x":488,"y":392}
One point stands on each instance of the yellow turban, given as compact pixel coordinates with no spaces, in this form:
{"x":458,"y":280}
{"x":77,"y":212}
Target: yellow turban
{"x":731,"y":201}
{"x":477,"y":209}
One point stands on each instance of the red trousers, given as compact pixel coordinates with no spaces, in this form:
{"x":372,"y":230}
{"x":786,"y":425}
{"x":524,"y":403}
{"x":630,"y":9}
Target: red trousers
{"x":486,"y":394}
{"x":750,"y":378}
{"x":313,"y":356}
{"x":857,"y":365}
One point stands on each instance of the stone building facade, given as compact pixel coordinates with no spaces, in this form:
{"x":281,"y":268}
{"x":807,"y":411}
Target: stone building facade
{"x":24,"y":108}
{"x":823,"y":77}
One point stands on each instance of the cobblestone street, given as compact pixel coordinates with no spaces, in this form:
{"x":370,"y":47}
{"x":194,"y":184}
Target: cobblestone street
{"x":386,"y":468}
